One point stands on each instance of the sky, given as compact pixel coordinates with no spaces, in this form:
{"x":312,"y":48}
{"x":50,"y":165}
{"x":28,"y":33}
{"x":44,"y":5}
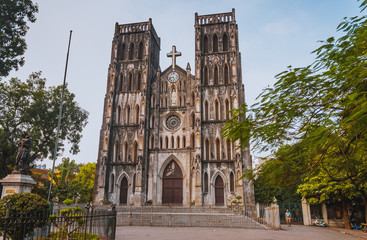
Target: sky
{"x":273,"y":34}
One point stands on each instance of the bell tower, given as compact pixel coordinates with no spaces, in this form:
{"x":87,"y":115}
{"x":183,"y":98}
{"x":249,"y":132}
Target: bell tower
{"x":122,"y":148}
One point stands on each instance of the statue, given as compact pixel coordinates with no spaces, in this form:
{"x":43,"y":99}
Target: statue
{"x":22,"y":161}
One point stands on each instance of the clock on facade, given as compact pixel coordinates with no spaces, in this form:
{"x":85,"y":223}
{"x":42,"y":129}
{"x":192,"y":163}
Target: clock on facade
{"x":173,"y":77}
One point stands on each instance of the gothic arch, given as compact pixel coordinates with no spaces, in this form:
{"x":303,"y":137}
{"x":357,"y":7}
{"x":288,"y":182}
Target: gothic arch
{"x":122,"y":53}
{"x":206,"y":76}
{"x":126,"y":150}
{"x":217,"y":149}
{"x":226,"y":74}
{"x":137,"y":113}
{"x":212,"y":185}
{"x":165,"y":164}
{"x":116,"y":152}
{"x":129,"y":82}
{"x":121,"y":82}
{"x":138,"y":82}
{"x":141,"y":50}
{"x":225,"y":42}
{"x":167,"y":144}
{"x":128,"y":115}
{"x":135,"y":152}
{"x":217,"y":110}
{"x":206,"y":110}
{"x":215,"y":43}
{"x":178,"y":141}
{"x":206,"y":44}
{"x":216,"y":75}
{"x":131,"y":51}
{"x":206,"y":182}
{"x":118,"y":120}
{"x":207,"y":149}
{"x":112,"y":183}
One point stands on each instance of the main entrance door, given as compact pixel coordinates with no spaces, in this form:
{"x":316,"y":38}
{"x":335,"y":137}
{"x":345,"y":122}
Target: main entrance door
{"x":172,"y":184}
{"x":219,"y":191}
{"x":123,"y":191}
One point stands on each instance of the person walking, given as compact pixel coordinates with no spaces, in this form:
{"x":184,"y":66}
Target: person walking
{"x":288,"y":217}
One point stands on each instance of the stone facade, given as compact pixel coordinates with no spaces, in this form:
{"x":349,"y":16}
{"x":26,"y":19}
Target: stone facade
{"x":160,"y":141}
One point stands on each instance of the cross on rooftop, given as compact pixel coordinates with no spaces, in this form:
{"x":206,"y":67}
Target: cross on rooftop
{"x":173,"y":55}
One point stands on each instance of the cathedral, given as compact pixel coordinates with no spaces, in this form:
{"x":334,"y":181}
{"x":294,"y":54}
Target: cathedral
{"x":160,"y":141}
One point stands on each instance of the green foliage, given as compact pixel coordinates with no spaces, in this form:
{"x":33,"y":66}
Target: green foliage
{"x":317,"y":117}
{"x":84,"y":182}
{"x":23,"y":205}
{"x":33,"y":107}
{"x":234,"y":203}
{"x":13,"y":25}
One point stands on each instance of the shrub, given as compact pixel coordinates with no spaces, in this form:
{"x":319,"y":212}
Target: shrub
{"x":27,"y":211}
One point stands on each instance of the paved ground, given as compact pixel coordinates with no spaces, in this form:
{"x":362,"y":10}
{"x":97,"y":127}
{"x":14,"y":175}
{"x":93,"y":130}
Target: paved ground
{"x":181,"y":233}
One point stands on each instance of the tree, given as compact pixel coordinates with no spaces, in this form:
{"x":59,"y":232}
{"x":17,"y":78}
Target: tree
{"x":13,"y":28}
{"x":23,"y":207}
{"x":84,"y":182}
{"x":320,"y":111}
{"x":30,"y":106}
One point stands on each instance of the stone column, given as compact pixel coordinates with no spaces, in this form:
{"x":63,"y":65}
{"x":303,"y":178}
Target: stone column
{"x":306,"y":212}
{"x":17,"y":183}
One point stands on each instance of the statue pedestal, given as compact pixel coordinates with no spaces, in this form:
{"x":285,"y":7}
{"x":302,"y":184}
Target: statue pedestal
{"x":17,"y":183}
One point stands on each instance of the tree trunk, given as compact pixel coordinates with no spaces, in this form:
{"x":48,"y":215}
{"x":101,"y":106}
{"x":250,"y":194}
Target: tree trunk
{"x":345,"y":216}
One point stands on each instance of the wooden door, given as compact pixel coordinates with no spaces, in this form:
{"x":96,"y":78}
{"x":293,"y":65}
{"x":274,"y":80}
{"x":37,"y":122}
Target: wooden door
{"x":219,"y":191}
{"x":123,"y":191}
{"x":172,"y":184}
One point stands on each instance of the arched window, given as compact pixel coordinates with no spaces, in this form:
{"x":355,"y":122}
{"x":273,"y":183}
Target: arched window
{"x":226,"y":74}
{"x":165,"y":102}
{"x":215,"y":43}
{"x":120,"y":82}
{"x":180,"y":101}
{"x":207,"y":149}
{"x":112,"y":183}
{"x":184,"y":142}
{"x":126,"y":151}
{"x":141,"y":51}
{"x":131,"y":52}
{"x":192,"y":98}
{"x":217,"y":148}
{"x":138,"y":82}
{"x":137,"y":114}
{"x":160,"y":143}
{"x":229,"y":155}
{"x":216,"y":75}
{"x":129,"y":82}
{"x":206,"y":44}
{"x":172,"y":142}
{"x":153,"y":102}
{"x":135,"y":152}
{"x":167,"y":142}
{"x":122,"y":54}
{"x":227,"y":109}
{"x":225,"y":42}
{"x":134,"y":179}
{"x":152,"y":142}
{"x":206,"y":111}
{"x":206,"y":182}
{"x":231,"y":182}
{"x":206,"y":76}
{"x":178,"y":142}
{"x":193,"y":140}
{"x":117,"y":152}
{"x":184,"y":101}
{"x":217,"y":115}
{"x":192,"y":119}
{"x":128,"y":114}
{"x":118,"y":115}
{"x":152,"y":122}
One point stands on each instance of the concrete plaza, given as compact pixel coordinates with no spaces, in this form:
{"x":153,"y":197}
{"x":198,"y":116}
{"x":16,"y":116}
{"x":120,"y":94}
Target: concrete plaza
{"x":186,"y":233}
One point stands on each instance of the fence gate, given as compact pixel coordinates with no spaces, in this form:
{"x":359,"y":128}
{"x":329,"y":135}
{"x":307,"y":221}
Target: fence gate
{"x":295,"y":209}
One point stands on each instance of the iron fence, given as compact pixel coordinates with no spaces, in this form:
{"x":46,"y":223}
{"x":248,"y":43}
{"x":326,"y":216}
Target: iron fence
{"x":90,"y":224}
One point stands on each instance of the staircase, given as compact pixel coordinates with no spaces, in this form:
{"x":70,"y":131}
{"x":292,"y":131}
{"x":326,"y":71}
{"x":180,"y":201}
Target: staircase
{"x":177,"y":216}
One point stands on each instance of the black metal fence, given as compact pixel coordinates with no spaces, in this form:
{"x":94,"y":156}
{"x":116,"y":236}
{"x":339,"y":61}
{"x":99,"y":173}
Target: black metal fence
{"x":90,"y":224}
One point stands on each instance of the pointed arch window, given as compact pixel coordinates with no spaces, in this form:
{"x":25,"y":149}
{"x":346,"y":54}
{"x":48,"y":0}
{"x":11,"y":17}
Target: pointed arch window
{"x":206,"y":76}
{"x":206,"y":182}
{"x":215,"y":43}
{"x":178,"y":142}
{"x":206,"y":44}
{"x":120,"y":82}
{"x":192,"y":98}
{"x":129,"y":82}
{"x":137,"y":114}
{"x":152,"y":142}
{"x":160,"y":143}
{"x":138,"y":82}
{"x":112,"y":183}
{"x":153,"y":102}
{"x":193,"y":120}
{"x":172,"y":142}
{"x":226,"y":74}
{"x":131,"y":52}
{"x":193,"y":140}
{"x":231,"y":182}
{"x":184,"y":142}
{"x":140,"y":51}
{"x":207,"y":149}
{"x":225,"y":42}
{"x":134,"y":179}
{"x":128,"y":114}
{"x":217,"y":148}
{"x":135,"y":152}
{"x":123,"y":49}
{"x":229,"y":155}
{"x":152,"y":122}
{"x":217,"y":115}
{"x":126,"y":151}
{"x":118,"y":115}
{"x":227,"y":109}
{"x":167,"y":142}
{"x":216,"y":75}
{"x":117,"y":152}
{"x":206,"y":111}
